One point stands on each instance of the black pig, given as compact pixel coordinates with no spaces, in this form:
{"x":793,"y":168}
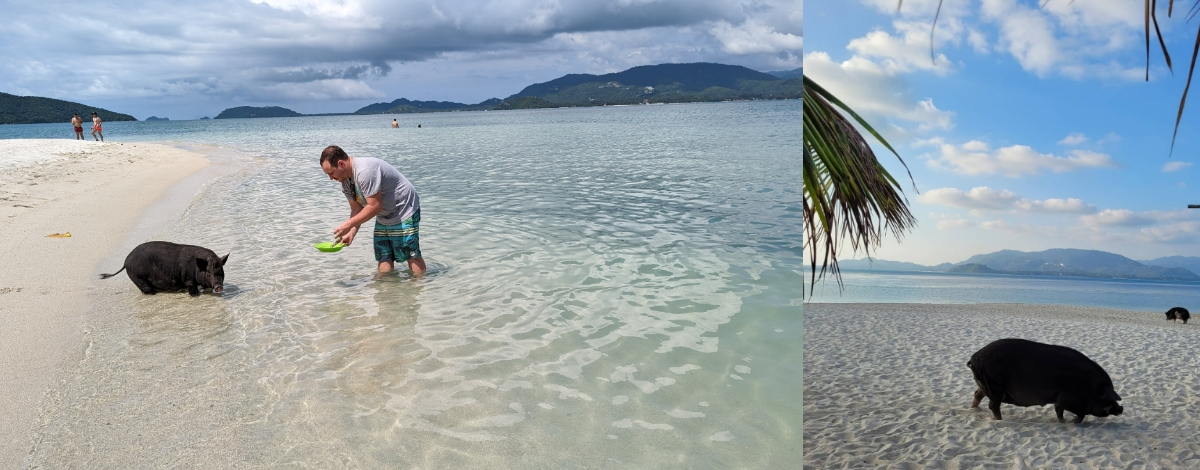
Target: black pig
{"x":1178,"y":313}
{"x":1027,"y":373}
{"x":155,"y":266}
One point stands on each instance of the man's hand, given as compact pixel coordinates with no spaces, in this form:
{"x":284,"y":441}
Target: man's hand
{"x":347,"y":232}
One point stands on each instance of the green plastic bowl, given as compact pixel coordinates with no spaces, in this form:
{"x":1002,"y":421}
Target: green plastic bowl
{"x":329,"y":247}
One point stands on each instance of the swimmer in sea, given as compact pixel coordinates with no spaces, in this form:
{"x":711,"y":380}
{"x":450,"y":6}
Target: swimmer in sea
{"x":395,"y":125}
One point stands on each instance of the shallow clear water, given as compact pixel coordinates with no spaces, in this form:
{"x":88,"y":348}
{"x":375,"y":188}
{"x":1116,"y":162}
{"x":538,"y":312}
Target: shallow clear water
{"x":607,"y":287}
{"x":955,"y":288}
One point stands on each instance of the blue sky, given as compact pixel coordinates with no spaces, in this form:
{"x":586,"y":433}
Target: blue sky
{"x":1033,"y":129}
{"x":184,"y":60}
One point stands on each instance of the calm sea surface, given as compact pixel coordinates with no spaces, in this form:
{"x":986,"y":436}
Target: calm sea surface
{"x":613,"y":287}
{"x":954,"y":288}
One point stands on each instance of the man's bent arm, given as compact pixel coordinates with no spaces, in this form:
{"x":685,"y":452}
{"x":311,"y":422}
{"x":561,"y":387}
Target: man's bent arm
{"x":363,"y":214}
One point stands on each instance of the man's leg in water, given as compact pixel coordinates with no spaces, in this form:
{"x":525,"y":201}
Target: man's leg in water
{"x":417,"y":265}
{"x":386,"y":267}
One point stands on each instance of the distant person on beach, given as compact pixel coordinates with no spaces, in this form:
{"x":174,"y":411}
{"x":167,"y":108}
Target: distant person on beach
{"x":97,"y":127}
{"x":395,"y":125}
{"x":376,"y":189}
{"x":78,"y":123}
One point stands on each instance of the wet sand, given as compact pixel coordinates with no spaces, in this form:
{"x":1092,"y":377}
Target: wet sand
{"x":887,"y":386}
{"x":96,"y":191}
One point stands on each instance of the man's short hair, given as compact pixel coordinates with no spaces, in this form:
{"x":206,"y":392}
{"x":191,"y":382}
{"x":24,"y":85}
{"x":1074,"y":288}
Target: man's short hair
{"x":333,"y":154}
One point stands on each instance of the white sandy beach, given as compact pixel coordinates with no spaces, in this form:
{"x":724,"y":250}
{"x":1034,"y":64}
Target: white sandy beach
{"x":97,"y":192}
{"x":887,"y":386}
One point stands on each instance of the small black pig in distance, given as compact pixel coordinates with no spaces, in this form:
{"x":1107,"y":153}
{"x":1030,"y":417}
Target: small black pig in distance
{"x":166,"y":266}
{"x":1027,"y":373}
{"x":1178,"y":313}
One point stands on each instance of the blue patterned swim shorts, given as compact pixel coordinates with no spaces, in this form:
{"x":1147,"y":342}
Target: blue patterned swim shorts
{"x":398,"y":242}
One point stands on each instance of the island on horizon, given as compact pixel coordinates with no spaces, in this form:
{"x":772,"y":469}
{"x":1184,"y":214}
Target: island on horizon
{"x":1053,"y":262}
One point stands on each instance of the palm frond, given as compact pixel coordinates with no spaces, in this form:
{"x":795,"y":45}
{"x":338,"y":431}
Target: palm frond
{"x":848,"y":195}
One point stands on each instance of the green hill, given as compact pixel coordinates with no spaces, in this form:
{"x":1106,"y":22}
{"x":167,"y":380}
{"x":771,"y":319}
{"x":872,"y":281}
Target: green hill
{"x":665,"y":83}
{"x":404,"y":106}
{"x":256,"y":112}
{"x":973,"y":268}
{"x":35,"y":110}
{"x":525,"y":102}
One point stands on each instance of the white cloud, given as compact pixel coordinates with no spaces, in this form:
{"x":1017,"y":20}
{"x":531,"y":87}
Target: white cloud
{"x":1073,"y":138}
{"x":978,"y":41}
{"x":982,"y":199}
{"x":995,"y":225}
{"x":876,"y":93}
{"x":975,"y":158}
{"x":1175,"y":166}
{"x":1074,"y":39}
{"x":954,"y":224}
{"x":909,"y":51}
{"x":1177,"y":232}
{"x":1025,"y":33}
{"x":1056,"y":206}
{"x":335,"y":89}
{"x":1115,"y":218}
{"x":752,"y":37}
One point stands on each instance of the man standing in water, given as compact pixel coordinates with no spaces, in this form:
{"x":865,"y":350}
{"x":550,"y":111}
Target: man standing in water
{"x":377,"y":189}
{"x":78,"y":124}
{"x":96,"y":127}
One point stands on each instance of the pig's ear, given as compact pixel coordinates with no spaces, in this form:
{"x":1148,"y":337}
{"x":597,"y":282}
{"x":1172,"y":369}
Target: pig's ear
{"x":202,"y":264}
{"x":224,"y":258}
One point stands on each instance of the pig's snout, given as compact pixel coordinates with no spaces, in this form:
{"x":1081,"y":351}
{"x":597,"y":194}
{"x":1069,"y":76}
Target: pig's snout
{"x":217,"y":289}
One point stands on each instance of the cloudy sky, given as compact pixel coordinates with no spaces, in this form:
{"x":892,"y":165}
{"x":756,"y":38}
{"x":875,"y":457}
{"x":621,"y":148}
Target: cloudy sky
{"x":1030,"y":127}
{"x":183,"y":60}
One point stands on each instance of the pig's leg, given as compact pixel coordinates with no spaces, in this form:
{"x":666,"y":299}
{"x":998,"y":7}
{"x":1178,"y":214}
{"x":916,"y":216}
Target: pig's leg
{"x":1078,"y":418}
{"x":978,"y":398}
{"x":994,"y":405}
{"x":192,"y":289}
{"x":145,"y":285}
{"x":1058,"y":410}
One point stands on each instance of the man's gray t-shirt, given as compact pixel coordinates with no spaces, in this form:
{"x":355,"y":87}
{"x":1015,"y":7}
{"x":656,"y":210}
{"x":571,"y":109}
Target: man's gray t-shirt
{"x":374,"y":176}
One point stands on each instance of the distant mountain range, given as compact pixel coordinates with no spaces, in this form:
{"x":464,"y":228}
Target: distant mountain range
{"x":664,"y":83}
{"x":1055,"y":262}
{"x":647,"y":84}
{"x":36,"y":110}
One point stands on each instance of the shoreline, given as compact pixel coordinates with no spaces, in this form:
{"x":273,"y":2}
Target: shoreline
{"x":887,"y":385}
{"x":103,"y":194}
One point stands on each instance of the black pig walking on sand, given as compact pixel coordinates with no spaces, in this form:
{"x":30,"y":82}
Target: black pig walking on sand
{"x":1027,"y":373}
{"x":1178,"y":313}
{"x":155,"y":266}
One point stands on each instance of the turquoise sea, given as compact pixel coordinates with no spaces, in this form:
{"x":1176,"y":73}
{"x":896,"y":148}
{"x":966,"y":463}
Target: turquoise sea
{"x":956,"y":288}
{"x":610,"y":287}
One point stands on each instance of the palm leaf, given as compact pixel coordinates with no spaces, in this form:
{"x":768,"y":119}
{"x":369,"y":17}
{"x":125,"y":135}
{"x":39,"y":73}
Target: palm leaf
{"x":848,"y":195}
